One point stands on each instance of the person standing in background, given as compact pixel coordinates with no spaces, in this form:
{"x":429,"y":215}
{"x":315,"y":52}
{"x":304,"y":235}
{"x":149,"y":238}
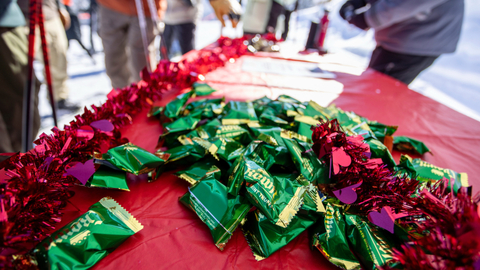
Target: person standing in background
{"x":182,"y":15}
{"x":279,"y":7}
{"x":13,"y":77}
{"x":410,"y":34}
{"x":120,"y":32}
{"x":180,"y":23}
{"x":56,"y":20}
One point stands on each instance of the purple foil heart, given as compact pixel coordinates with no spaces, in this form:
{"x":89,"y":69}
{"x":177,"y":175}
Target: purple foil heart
{"x":383,"y":219}
{"x":82,"y":171}
{"x":347,"y":195}
{"x":103,"y":125}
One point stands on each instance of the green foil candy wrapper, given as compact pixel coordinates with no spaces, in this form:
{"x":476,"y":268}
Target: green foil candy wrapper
{"x":106,"y":177}
{"x":202,"y":89}
{"x":277,"y":198}
{"x":373,"y":246}
{"x":341,"y":234}
{"x":175,"y":107}
{"x":222,"y":214}
{"x":88,"y":239}
{"x":133,"y":159}
{"x":403,"y":143}
{"x":330,"y":238}
{"x":307,"y":162}
{"x":379,"y":150}
{"x":199,"y":170}
{"x":426,"y":172}
{"x":239,"y":112}
{"x":206,"y":108}
{"x":264,"y":237}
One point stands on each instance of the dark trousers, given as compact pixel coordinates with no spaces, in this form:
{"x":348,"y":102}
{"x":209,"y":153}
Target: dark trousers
{"x":403,"y":67}
{"x":275,"y":12}
{"x":184,"y":33}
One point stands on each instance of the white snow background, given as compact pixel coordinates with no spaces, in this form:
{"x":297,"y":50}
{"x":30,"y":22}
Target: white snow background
{"x":454,"y":79}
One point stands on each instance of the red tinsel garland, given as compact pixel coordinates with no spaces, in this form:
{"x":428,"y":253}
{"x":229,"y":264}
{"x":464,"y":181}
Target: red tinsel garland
{"x":31,"y":199}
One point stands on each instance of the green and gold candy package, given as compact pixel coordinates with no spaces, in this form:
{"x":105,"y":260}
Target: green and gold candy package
{"x":88,"y":239}
{"x":199,"y":170}
{"x":330,"y":238}
{"x":220,"y":212}
{"x":403,"y":143}
{"x":278,"y":200}
{"x":426,"y":172}
{"x":306,"y":162}
{"x":264,"y":237}
{"x":373,"y":246}
{"x":133,"y":159}
{"x":105,"y":177}
{"x":239,"y":112}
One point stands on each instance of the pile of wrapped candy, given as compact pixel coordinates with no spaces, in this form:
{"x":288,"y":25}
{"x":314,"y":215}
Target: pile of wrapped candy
{"x":276,"y":168}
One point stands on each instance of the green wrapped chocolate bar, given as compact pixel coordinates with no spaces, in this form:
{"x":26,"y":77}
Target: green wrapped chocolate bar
{"x":224,"y":148}
{"x":133,"y":159}
{"x":381,"y":130}
{"x":403,"y":143}
{"x":306,"y":162}
{"x":273,"y":135}
{"x":379,"y":150}
{"x":373,"y":246}
{"x":202,"y":89}
{"x":268,"y":117}
{"x":88,"y":239}
{"x":106,"y":177}
{"x":183,"y":154}
{"x":174,"y":108}
{"x":222,"y":214}
{"x":262,"y":154}
{"x":426,"y":172}
{"x":185,"y":123}
{"x":206,"y":108}
{"x":264,"y":237}
{"x":239,"y":112}
{"x":198,"y":170}
{"x":330,"y":238}
{"x":278,"y":199}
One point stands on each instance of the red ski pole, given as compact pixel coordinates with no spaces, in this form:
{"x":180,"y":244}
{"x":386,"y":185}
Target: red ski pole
{"x":48,"y":75}
{"x":323,"y":32}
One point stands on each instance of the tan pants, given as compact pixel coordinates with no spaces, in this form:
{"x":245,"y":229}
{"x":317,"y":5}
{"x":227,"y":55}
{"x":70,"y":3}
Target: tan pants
{"x":57,"y":44}
{"x":13,"y":78}
{"x":123,"y":47}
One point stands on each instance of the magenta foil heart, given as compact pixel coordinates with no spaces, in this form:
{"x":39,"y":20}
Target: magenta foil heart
{"x":82,"y":171}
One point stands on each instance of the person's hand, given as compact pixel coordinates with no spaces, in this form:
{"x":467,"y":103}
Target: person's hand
{"x":227,"y":7}
{"x":348,"y":9}
{"x":65,"y":18}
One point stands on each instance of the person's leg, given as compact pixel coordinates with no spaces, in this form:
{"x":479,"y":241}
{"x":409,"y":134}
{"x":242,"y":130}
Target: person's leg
{"x":168,"y":37}
{"x":275,"y":11}
{"x":113,"y":30}
{"x":57,"y":53}
{"x":402,"y":67}
{"x":186,"y":36}
{"x":288,"y":14}
{"x":137,"y":57}
{"x":13,"y":78}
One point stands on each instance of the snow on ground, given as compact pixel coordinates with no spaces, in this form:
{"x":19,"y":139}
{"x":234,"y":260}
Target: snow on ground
{"x":453,"y":79}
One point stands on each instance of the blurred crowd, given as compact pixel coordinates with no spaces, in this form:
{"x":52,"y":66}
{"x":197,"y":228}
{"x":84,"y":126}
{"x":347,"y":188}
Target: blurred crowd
{"x":409,"y":35}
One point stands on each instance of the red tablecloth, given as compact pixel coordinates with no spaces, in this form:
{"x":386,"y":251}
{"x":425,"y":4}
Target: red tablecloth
{"x":174,"y":237}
